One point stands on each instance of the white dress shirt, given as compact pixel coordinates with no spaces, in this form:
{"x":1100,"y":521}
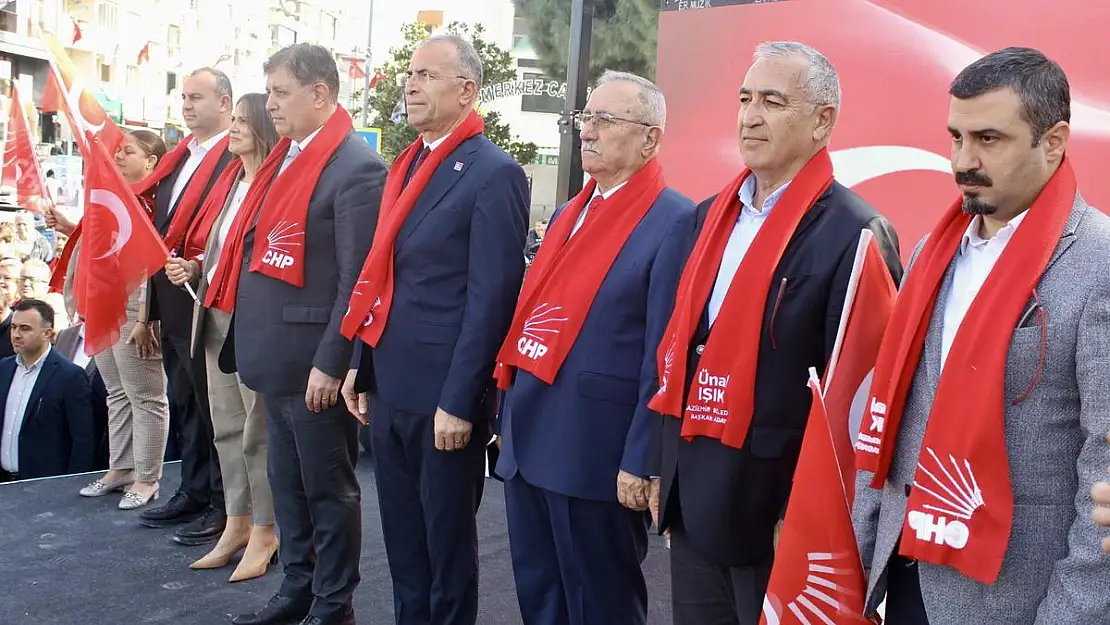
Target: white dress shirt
{"x":597,"y":191}
{"x":435,"y":144}
{"x":743,"y":234}
{"x":976,"y":258}
{"x":296,"y":148}
{"x":197,"y":152}
{"x":237,"y":198}
{"x":80,"y":358}
{"x":23,"y":382}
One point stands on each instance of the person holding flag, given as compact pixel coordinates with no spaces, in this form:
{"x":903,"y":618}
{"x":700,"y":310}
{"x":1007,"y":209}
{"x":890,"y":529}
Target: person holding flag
{"x":990,"y":399}
{"x":758,"y":304}
{"x":286,"y":271}
{"x":175,"y":191}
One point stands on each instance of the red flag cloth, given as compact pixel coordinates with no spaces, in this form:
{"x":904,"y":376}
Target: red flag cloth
{"x":376,"y":77}
{"x":960,"y":510}
{"x":144,"y":55}
{"x":867,"y":305}
{"x":196,"y":239}
{"x":120,"y":250}
{"x":189,"y":201}
{"x":58,"y":277}
{"x":52,"y":101}
{"x":568,"y":272}
{"x":722,"y":395}
{"x":354,"y":69}
{"x":76,"y":30}
{"x":82,"y":109}
{"x":21,"y":165}
{"x":373,"y":294}
{"x":277,"y":205}
{"x":817,"y":576}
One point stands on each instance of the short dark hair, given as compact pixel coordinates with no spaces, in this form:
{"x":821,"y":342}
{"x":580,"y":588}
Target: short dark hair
{"x":1041,"y":85}
{"x":223,"y":83}
{"x":309,"y":64}
{"x":45,"y":310}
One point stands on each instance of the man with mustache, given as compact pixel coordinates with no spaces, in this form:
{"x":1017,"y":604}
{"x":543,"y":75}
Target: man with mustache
{"x":990,"y":398}
{"x":580,"y":358}
{"x":758,"y":304}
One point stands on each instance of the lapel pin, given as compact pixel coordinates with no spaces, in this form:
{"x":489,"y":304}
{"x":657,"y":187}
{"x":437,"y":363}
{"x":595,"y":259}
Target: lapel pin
{"x":458,"y":165}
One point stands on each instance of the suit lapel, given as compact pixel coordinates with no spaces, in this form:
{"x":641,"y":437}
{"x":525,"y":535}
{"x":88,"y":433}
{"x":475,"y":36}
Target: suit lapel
{"x":449,"y":172}
{"x":7,"y":373}
{"x":1078,"y":209}
{"x":163,"y":196}
{"x":67,"y":344}
{"x":49,"y":367}
{"x":934,"y":338}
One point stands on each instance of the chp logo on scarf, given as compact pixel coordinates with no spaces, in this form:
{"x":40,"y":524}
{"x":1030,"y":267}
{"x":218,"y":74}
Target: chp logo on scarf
{"x":953,"y":498}
{"x":280,"y":241}
{"x":541,"y":325}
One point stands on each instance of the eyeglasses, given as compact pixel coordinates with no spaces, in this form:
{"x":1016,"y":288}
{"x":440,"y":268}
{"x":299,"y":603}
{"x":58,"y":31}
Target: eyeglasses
{"x":601,"y":121}
{"x":422,"y":76}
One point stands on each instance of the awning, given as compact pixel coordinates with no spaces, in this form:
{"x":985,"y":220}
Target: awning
{"x":19,"y":45}
{"x":114,"y":108}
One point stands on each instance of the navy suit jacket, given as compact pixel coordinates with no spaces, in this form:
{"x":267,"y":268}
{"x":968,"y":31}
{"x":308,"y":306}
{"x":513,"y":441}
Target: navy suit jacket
{"x":458,"y":265}
{"x":58,"y":434}
{"x":573,"y":436}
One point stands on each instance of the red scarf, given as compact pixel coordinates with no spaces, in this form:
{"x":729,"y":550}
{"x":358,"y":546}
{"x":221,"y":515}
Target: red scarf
{"x":722,"y":395}
{"x":960,"y":510}
{"x":281,"y":209}
{"x":373,"y":295}
{"x":189,"y":200}
{"x":58,"y":277}
{"x":566,"y":275}
{"x":196,"y":238}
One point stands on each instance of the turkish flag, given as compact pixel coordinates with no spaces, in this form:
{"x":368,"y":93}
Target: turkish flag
{"x":120,"y":249}
{"x":52,"y":101}
{"x":354,"y":69}
{"x":82,"y":109}
{"x":144,"y":55}
{"x":817,"y":576}
{"x":867,"y":307}
{"x":377,"y":76}
{"x":76,"y":30}
{"x":21,"y":165}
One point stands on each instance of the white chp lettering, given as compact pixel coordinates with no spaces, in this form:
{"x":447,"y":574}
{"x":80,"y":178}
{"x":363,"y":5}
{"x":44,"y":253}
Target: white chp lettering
{"x":540,"y":326}
{"x":280,"y":241}
{"x":953,"y":501}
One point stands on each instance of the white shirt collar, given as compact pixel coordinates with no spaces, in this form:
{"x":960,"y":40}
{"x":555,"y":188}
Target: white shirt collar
{"x":303,"y":145}
{"x":608,"y":194}
{"x":435,"y":144}
{"x":207,"y":146}
{"x":19,"y":360}
{"x":747,"y":196}
{"x":971,"y":235}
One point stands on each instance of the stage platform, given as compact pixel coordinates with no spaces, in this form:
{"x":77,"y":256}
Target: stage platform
{"x":68,"y":560}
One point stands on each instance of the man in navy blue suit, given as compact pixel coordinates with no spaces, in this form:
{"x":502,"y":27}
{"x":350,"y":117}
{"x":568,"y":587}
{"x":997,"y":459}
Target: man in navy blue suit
{"x":431,"y":307}
{"x":47,"y":426}
{"x":576,"y":430}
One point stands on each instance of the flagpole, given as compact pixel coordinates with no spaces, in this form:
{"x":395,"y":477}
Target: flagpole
{"x":367,"y":69}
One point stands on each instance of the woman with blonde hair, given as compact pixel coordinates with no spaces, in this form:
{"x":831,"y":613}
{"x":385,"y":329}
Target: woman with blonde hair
{"x":238,"y":416}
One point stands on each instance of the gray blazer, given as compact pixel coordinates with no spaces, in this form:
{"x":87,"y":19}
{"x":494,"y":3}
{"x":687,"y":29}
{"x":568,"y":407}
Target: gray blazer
{"x":280,"y":331}
{"x":1054,"y":572}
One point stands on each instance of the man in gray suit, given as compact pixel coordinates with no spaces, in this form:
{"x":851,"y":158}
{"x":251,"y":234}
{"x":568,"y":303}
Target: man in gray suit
{"x":985,"y":442}
{"x":296,"y":268}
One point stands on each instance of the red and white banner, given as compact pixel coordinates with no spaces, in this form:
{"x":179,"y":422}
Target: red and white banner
{"x":120,"y":249}
{"x":82,"y":109}
{"x":21,"y":165}
{"x":817,"y":575}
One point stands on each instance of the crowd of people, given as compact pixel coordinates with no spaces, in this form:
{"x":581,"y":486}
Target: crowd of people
{"x":648,"y":369}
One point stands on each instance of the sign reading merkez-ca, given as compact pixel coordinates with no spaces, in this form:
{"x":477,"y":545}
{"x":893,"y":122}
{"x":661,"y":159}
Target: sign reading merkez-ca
{"x":689,"y":5}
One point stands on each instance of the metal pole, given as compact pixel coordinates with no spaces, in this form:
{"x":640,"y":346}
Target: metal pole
{"x":367,"y":69}
{"x":569,"y":181}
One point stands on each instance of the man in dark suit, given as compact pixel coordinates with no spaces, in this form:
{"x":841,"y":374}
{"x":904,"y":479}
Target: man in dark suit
{"x":287,"y":339}
{"x":47,"y":422}
{"x":759,"y":303}
{"x":183,"y":181}
{"x":575,"y":451}
{"x":434,"y":303}
{"x":70,"y":343}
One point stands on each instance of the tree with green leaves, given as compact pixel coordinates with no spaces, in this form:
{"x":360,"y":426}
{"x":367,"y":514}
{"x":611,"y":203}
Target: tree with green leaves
{"x":387,"y":95}
{"x":623,"y":40}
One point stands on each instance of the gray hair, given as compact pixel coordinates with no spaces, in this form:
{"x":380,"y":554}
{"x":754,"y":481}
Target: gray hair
{"x":652,"y":102}
{"x":309,"y":64}
{"x":223,"y":83}
{"x":822,"y":83}
{"x":470,"y":64}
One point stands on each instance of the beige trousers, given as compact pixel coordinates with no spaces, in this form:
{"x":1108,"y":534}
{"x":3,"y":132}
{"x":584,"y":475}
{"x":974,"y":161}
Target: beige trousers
{"x":138,"y":410}
{"x":239,"y":426}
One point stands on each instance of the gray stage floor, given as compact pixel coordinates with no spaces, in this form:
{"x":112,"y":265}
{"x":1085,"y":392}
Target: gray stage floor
{"x":73,"y":561}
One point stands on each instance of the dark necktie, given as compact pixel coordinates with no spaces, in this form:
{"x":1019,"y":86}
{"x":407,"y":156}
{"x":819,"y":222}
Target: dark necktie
{"x":597,"y":205}
{"x":416,"y":164}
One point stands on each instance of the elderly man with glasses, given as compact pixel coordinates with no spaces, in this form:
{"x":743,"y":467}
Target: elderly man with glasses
{"x":579,"y":366}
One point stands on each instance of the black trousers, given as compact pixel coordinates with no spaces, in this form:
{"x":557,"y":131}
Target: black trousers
{"x":312,"y":458}
{"x":190,"y":413}
{"x":428,"y":501}
{"x":904,"y":605}
{"x":706,"y":593}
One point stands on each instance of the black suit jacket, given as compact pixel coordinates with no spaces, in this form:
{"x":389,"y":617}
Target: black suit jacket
{"x":6,"y":348}
{"x":729,"y":500}
{"x":66,"y":345}
{"x":280,"y":332}
{"x":57,"y":436}
{"x":168,"y":303}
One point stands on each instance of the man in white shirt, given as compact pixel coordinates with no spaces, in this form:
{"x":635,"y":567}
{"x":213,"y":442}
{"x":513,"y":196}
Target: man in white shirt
{"x":46,"y":427}
{"x":770,"y":268}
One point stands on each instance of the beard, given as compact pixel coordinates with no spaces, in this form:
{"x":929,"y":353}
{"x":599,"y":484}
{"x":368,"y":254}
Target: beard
{"x":974,"y":206}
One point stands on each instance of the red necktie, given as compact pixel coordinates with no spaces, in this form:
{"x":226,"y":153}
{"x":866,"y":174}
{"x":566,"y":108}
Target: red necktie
{"x":595,"y":207}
